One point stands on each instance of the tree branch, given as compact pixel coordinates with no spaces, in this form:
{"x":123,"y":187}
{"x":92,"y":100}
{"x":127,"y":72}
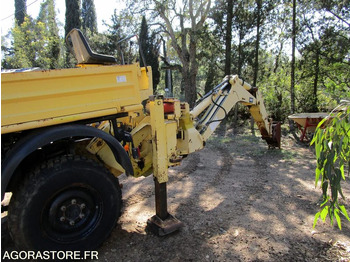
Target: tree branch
{"x":204,"y":15}
{"x":337,"y":16}
{"x":167,"y":65}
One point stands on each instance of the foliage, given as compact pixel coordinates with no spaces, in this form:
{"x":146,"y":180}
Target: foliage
{"x":73,"y":20}
{"x":51,"y":50}
{"x":20,"y":11}
{"x":274,"y":84}
{"x":332,"y":141}
{"x":88,"y":16}
{"x":118,"y":43}
{"x":197,"y":43}
{"x":73,"y":12}
{"x":34,"y":45}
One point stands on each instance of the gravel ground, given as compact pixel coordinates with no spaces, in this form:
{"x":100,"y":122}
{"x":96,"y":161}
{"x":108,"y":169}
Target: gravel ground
{"x":238,"y":201}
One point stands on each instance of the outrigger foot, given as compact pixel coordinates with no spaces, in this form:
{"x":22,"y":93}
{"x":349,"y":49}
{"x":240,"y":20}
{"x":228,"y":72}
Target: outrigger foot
{"x":162,"y":227}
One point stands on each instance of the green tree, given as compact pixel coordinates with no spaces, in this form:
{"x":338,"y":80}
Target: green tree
{"x":115,"y":41}
{"x":50,"y":35}
{"x":150,"y":49}
{"x":333,"y":161}
{"x":292,"y":73}
{"x":185,"y":41}
{"x":23,"y":45}
{"x":88,"y":16}
{"x":29,"y":46}
{"x":183,"y":25}
{"x":73,"y":20}
{"x":72,"y":15}
{"x":20,"y":11}
{"x":323,"y":45}
{"x":116,"y":44}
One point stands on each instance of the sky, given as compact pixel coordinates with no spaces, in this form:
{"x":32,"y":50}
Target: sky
{"x":104,"y":11}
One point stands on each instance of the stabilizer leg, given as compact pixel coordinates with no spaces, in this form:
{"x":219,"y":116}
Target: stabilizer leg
{"x":162,"y":223}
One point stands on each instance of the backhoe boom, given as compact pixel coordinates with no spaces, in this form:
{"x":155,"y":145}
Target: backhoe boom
{"x":214,"y":106}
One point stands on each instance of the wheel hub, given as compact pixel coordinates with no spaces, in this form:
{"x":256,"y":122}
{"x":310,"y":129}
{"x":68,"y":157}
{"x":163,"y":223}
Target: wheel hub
{"x":73,"y":212}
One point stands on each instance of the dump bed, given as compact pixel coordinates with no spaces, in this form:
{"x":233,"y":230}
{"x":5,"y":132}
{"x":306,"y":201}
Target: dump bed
{"x":48,"y":97}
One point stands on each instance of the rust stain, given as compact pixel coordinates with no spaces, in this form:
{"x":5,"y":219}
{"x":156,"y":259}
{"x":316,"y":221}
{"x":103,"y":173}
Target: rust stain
{"x":155,"y":140}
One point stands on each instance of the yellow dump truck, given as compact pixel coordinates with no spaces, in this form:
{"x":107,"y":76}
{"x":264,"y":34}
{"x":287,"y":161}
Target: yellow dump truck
{"x":67,"y":134}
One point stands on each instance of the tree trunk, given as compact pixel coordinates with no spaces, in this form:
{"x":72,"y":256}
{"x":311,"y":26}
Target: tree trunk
{"x":189,"y":71}
{"x":228,"y":37}
{"x":239,"y":71}
{"x":292,"y":74}
{"x":256,"y":63}
{"x":317,"y":72}
{"x":257,"y":43}
{"x":209,"y":83}
{"x":189,"y":82}
{"x":240,"y":51}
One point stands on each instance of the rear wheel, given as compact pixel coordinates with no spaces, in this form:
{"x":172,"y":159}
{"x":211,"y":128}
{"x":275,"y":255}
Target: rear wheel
{"x":69,"y":203}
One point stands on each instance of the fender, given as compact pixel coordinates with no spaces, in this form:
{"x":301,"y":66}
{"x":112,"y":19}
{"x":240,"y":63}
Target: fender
{"x":41,"y":137}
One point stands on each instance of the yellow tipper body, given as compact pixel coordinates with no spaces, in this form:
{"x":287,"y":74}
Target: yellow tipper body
{"x":42,"y":98}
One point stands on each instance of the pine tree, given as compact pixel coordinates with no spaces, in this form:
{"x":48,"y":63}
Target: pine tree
{"x":88,"y":15}
{"x":20,"y":11}
{"x":72,"y":15}
{"x":150,"y":50}
{"x":114,"y":46}
{"x":47,"y":16}
{"x":72,"y":21}
{"x":27,"y":48}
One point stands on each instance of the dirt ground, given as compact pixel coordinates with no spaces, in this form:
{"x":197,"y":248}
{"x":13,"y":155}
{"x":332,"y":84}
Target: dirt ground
{"x":238,"y":201}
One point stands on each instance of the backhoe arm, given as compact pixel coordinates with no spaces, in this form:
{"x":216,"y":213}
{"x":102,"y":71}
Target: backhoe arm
{"x":211,"y":109}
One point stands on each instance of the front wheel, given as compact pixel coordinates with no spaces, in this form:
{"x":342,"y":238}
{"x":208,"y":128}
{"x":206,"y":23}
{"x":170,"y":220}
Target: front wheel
{"x":69,"y":203}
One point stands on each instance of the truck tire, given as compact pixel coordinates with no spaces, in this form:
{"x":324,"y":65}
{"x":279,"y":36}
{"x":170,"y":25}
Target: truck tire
{"x":69,"y":203}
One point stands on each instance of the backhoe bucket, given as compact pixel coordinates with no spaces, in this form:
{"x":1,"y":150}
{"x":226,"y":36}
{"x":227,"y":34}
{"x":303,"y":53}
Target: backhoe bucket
{"x":276,"y":135}
{"x":275,"y":139}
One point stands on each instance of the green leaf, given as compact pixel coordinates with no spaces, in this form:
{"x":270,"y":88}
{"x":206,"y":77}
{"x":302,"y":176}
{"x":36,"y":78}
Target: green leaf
{"x":342,"y":171}
{"x":324,"y":188}
{"x":337,"y":218}
{"x":316,"y":218}
{"x":318,"y":149}
{"x":324,"y":202}
{"x":317,"y":176}
{"x":343,"y":211}
{"x":314,"y":139}
{"x":321,"y":122}
{"x":324,"y":213}
{"x":340,"y":191}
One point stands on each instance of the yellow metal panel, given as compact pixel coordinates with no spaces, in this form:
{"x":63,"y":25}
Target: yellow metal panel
{"x":159,"y":137}
{"x":171,"y":130}
{"x":142,"y":137}
{"x":99,"y":147}
{"x":50,"y":94}
{"x":191,"y":140}
{"x":55,"y":121}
